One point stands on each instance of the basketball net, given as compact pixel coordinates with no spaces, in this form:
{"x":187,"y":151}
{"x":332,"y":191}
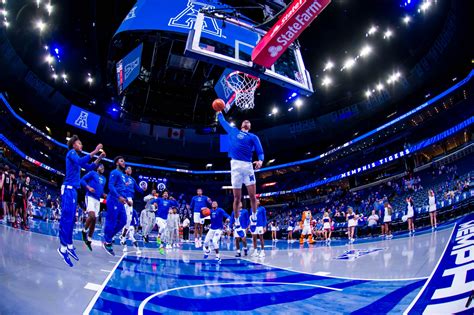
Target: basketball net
{"x":243,"y":85}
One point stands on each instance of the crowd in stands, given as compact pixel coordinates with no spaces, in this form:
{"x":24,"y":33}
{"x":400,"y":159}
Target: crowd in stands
{"x":446,"y":182}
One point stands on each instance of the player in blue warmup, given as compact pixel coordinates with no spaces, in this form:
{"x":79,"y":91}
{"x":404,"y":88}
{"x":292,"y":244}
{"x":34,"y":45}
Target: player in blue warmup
{"x":215,"y":232}
{"x":197,"y":203}
{"x":163,"y":205}
{"x":242,"y":143}
{"x":258,"y":232}
{"x":94,"y":183}
{"x":71,"y":183}
{"x":116,"y":216}
{"x":244,"y":223}
{"x":132,"y":187}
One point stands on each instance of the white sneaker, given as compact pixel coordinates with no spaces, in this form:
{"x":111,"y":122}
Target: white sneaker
{"x":262,"y":254}
{"x":125,"y":249}
{"x":255,"y":253}
{"x":139,"y":252}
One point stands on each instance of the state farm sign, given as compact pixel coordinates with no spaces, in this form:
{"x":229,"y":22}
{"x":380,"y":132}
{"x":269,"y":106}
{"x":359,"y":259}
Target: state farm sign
{"x":294,"y":21}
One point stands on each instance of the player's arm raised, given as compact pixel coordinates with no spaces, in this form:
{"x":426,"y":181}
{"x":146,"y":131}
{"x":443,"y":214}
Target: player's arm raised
{"x":227,"y":127}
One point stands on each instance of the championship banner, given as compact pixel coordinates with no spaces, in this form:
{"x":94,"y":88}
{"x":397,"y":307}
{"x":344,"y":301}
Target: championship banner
{"x":452,"y":282}
{"x":286,"y":30}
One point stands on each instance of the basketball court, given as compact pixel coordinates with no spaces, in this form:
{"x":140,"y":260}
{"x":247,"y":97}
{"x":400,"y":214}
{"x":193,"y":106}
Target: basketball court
{"x":372,"y":275}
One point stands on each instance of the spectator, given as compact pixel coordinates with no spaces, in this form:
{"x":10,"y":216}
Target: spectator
{"x":372,"y":222}
{"x":186,"y":224}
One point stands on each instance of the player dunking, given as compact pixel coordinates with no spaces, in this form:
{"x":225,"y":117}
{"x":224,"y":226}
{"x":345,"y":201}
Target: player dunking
{"x":71,"y":183}
{"x":242,"y":143}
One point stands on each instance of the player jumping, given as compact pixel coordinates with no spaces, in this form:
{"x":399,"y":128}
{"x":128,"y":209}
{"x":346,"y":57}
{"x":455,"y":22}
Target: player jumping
{"x":242,"y":143}
{"x":71,"y":183}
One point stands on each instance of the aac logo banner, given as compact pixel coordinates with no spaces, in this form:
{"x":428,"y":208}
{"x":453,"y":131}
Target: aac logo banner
{"x":83,"y":119}
{"x":452,"y":281}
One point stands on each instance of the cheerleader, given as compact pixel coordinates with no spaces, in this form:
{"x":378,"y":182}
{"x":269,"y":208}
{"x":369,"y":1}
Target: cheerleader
{"x":387,"y":219}
{"x":291,"y":225}
{"x":432,"y":205}
{"x":410,"y":216}
{"x":327,"y":227}
{"x":351,"y":219}
{"x":273,"y":228}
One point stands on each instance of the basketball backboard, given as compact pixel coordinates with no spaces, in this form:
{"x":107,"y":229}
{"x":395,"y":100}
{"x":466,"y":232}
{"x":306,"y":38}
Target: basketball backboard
{"x":229,"y":43}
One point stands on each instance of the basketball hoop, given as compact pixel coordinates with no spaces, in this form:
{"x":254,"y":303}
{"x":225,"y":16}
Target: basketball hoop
{"x":243,"y":85}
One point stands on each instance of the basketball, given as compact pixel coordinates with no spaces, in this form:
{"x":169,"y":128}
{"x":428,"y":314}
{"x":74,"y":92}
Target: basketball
{"x":205,"y":212}
{"x":218,"y":105}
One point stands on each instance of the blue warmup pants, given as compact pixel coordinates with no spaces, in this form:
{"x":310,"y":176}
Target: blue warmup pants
{"x":115,"y":220}
{"x":68,"y":214}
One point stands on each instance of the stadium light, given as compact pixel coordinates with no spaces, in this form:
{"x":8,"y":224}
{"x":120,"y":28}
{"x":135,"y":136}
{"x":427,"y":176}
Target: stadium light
{"x":388,"y":33}
{"x":368,"y":93}
{"x":49,"y":59}
{"x":90,"y":80}
{"x":49,"y":8}
{"x":6,"y":23}
{"x":372,"y":30}
{"x":329,"y":65}
{"x":326,"y":81}
{"x":365,"y":51}
{"x":406,"y":19}
{"x":298,"y":102}
{"x":274,"y":110}
{"x":40,"y":25}
{"x":348,"y":64}
{"x":3,"y":12}
{"x":55,"y":76}
{"x":290,"y":109}
{"x":424,"y":6}
{"x":379,"y":87}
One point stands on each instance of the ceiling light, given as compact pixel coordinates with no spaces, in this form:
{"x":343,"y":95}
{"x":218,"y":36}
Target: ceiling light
{"x":55,"y":76}
{"x":4,"y":12}
{"x":40,"y":25}
{"x":298,"y":102}
{"x":49,"y":8}
{"x":271,"y":161}
{"x":290,"y":109}
{"x":365,"y":51}
{"x":388,"y":33}
{"x":64,"y":76}
{"x":329,"y":65}
{"x":379,"y":87}
{"x":274,"y":110}
{"x":368,"y":93}
{"x":349,"y":63}
{"x":90,"y":80}
{"x":326,"y":81}
{"x":49,"y":59}
{"x":406,"y":19}
{"x":425,"y":6}
{"x":372,"y":30}
{"x":6,"y":23}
